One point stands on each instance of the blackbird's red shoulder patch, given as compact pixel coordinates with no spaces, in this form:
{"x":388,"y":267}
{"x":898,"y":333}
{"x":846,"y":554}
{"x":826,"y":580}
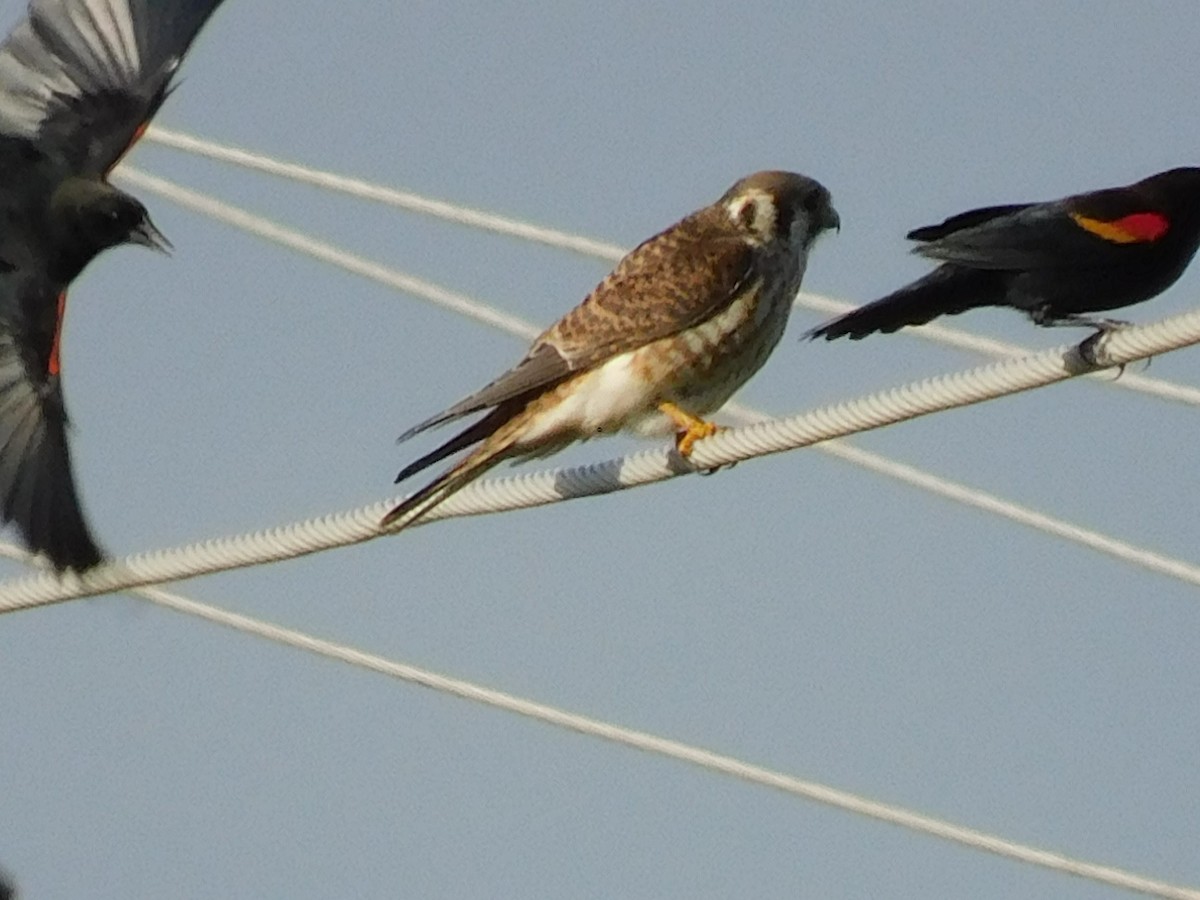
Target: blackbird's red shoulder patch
{"x":137,"y":136}
{"x":1143,"y":227}
{"x":54,"y":367}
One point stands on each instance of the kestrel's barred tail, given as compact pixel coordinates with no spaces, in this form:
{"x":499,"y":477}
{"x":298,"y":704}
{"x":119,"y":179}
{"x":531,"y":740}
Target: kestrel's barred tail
{"x":449,"y":482}
{"x":679,"y":325}
{"x":496,"y":448}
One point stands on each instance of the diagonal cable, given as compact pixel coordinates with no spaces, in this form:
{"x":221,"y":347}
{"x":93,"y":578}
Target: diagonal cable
{"x":727,"y":765}
{"x":554,"y":485}
{"x":479,"y":311}
{"x":650,"y":743}
{"x":562,"y":240}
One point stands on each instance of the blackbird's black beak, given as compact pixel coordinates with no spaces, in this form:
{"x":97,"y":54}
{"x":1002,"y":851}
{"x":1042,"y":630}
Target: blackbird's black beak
{"x":832,"y":219}
{"x":148,"y":236}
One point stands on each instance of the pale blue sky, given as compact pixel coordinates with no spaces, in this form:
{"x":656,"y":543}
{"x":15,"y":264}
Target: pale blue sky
{"x":796,"y":612}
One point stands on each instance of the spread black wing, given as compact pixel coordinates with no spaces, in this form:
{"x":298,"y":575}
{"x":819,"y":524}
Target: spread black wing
{"x":79,"y":78}
{"x":37,"y":485}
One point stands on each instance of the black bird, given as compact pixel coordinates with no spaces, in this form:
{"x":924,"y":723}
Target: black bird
{"x":1053,"y":261}
{"x":79,"y":81}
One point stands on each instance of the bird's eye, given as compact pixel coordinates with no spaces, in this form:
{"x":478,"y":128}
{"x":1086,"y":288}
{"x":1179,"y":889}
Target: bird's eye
{"x":812,"y":203}
{"x":747,"y":214}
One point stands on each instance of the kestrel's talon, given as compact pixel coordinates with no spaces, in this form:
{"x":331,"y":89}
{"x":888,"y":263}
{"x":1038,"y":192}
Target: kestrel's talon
{"x":691,"y":428}
{"x":686,"y":440}
{"x":691,"y":313}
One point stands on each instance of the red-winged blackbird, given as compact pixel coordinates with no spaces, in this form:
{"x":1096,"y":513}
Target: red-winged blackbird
{"x":79,"y":80}
{"x":1054,"y":261}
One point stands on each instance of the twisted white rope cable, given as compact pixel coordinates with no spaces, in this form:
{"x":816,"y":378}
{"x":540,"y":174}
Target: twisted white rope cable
{"x":984,"y":346}
{"x":550,"y":237}
{"x":513,"y":325}
{"x":732,"y":766}
{"x":701,"y":757}
{"x":650,"y":743}
{"x":554,"y":485}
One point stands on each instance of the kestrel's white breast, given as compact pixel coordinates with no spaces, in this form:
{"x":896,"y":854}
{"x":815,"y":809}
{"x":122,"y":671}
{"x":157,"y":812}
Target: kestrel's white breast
{"x":700,"y":369}
{"x":697,"y":369}
{"x":599,"y":401}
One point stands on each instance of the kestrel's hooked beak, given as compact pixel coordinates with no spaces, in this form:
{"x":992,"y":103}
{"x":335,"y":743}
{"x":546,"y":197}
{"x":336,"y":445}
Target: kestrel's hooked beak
{"x":831,"y":219}
{"x":148,"y":236}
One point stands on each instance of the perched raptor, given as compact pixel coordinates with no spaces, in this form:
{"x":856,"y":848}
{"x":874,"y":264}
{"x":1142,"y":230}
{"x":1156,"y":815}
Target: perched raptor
{"x":681,"y":323}
{"x":79,"y":81}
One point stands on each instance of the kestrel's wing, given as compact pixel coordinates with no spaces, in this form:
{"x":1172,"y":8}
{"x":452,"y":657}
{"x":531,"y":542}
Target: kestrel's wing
{"x":670,"y":283}
{"x":37,"y":485}
{"x":1078,"y":232}
{"x":80,"y":78}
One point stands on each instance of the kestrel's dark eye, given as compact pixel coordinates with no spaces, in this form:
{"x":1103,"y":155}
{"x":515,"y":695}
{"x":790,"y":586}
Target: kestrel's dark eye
{"x":784,"y":217}
{"x":812,"y":203}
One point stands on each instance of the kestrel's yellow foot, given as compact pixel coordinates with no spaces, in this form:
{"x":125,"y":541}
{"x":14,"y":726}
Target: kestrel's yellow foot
{"x":691,"y":428}
{"x":685,"y":440}
{"x":692,"y":312}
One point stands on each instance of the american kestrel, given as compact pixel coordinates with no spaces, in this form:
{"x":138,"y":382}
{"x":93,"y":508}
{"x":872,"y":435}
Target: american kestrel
{"x":681,"y":323}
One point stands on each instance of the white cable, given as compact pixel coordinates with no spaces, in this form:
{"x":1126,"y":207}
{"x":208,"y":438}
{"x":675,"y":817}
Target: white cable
{"x":640,"y":740}
{"x":513,"y":325}
{"x":961,"y":493}
{"x":440,"y":209}
{"x":726,"y":447}
{"x":504,"y":225}
{"x":735,"y":767}
{"x":909,"y":473}
{"x":344,"y":259}
{"x":973,"y":343}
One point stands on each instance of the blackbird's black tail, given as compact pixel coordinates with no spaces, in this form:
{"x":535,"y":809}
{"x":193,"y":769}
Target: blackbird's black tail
{"x":37,"y":486}
{"x":946,"y":290}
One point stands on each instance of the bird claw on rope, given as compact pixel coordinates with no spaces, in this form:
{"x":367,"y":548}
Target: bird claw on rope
{"x":886,"y":407}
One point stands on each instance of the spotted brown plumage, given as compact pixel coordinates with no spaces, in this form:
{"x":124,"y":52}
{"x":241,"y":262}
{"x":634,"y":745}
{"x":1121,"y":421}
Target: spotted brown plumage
{"x":681,"y":323}
{"x":79,"y":80}
{"x":1055,"y":261}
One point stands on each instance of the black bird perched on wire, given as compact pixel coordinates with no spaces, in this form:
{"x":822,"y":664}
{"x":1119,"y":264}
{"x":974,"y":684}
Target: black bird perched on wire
{"x":79,"y":81}
{"x":1054,"y":261}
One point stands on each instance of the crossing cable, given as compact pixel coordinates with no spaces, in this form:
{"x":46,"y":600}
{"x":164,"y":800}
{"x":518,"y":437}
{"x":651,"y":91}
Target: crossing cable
{"x":553,"y":485}
{"x":1115,"y":355}
{"x":650,"y":743}
{"x":603,"y":250}
{"x":479,"y":311}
